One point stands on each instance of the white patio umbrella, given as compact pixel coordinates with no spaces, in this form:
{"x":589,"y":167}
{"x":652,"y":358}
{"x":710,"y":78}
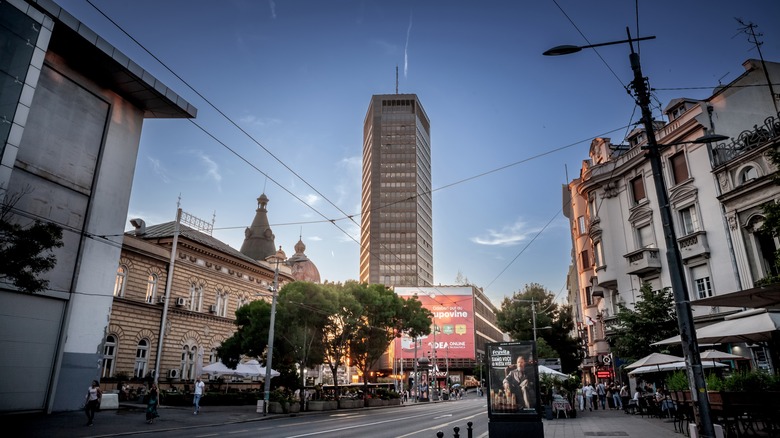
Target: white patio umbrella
{"x":250,"y":368}
{"x":720,"y":355}
{"x":755,"y":325}
{"x":254,"y":369}
{"x":551,"y":372}
{"x":714,"y":355}
{"x":673,"y":366}
{"x":655,"y":359}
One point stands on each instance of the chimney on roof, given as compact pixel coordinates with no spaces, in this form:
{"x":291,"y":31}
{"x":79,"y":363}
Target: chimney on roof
{"x":139,"y":225}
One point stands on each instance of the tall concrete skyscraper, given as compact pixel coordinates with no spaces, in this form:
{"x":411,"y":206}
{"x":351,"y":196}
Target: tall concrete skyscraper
{"x":396,"y":230}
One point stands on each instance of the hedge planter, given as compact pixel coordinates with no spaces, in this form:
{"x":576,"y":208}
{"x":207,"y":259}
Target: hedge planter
{"x":394,"y":402}
{"x":323,"y":405}
{"x":350,"y":404}
{"x":375,"y":402}
{"x":276,"y":408}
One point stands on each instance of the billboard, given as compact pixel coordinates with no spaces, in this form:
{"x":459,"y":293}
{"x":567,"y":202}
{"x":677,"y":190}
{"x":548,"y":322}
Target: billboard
{"x":513,"y":380}
{"x":453,"y":319}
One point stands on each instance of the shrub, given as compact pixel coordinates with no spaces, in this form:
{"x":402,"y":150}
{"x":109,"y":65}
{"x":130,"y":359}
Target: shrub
{"x":714,"y":383}
{"x":752,"y":381}
{"x":678,"y":381}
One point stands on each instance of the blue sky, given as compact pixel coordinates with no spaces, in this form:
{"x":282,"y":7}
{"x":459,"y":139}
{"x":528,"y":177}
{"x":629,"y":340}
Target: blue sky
{"x":509,"y":126}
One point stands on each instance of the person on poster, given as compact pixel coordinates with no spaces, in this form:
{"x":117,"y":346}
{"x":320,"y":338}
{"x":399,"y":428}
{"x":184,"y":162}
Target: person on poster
{"x":519,"y":382}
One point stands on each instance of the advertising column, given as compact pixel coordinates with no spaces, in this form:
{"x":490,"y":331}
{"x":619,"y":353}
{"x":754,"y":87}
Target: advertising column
{"x":514,"y":402}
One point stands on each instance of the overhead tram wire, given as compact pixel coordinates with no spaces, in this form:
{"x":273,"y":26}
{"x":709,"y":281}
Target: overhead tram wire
{"x":237,"y":126}
{"x":625,"y":87}
{"x":222,"y":113}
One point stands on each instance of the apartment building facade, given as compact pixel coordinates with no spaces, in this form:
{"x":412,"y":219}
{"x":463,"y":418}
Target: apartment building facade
{"x":715,"y":197}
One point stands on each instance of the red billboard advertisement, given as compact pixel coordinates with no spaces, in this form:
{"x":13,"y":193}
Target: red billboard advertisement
{"x":453,"y":318}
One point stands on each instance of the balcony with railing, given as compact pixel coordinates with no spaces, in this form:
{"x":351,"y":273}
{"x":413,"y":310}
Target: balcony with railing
{"x":747,"y":141}
{"x":693,"y":245}
{"x":643,"y":261}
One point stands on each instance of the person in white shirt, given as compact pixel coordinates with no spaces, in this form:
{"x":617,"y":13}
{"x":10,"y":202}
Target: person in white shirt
{"x":588,"y":392}
{"x":199,"y":387}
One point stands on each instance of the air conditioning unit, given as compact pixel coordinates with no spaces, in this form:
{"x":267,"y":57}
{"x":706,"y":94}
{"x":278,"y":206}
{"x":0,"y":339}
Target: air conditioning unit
{"x":181,"y":301}
{"x":161,"y":300}
{"x":173,"y":374}
{"x":213,"y":308}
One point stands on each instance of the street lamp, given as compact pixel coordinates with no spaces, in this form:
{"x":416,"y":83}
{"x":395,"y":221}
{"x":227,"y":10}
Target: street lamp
{"x":533,"y":308}
{"x":278,"y":257}
{"x":674,"y":260}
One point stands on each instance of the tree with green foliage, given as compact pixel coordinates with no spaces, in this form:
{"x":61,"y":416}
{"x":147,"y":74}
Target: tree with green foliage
{"x":385,"y":317}
{"x":253,"y":321}
{"x":653,"y":319}
{"x":25,"y":248}
{"x":303,"y":312}
{"x":516,"y":318}
{"x":339,"y":328}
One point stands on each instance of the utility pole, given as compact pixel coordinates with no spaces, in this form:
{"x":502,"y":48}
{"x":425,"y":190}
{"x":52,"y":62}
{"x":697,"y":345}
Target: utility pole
{"x":674,"y":259}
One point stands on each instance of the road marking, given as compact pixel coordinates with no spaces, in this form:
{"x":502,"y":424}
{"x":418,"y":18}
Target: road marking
{"x":239,"y":431}
{"x":442,"y":416}
{"x":357,"y":426}
{"x":436,"y":428}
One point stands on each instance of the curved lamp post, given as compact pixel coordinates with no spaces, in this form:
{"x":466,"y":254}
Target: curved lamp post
{"x":674,"y":260}
{"x":280,"y":256}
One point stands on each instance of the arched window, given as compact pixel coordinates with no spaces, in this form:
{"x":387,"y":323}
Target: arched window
{"x":196,"y":297}
{"x":141,"y":358}
{"x":109,"y":356}
{"x":119,"y":284}
{"x":188,"y":354}
{"x":747,"y":174}
{"x":151,"y":288}
{"x":221,"y":304}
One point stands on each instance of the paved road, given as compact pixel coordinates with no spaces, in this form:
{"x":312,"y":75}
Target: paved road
{"x":408,"y":421}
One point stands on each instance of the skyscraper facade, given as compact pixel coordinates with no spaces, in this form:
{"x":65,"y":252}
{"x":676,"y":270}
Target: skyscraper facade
{"x":396,"y":232}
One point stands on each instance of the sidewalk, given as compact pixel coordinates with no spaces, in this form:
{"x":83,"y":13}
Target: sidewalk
{"x":130,"y":419}
{"x":609,"y":423}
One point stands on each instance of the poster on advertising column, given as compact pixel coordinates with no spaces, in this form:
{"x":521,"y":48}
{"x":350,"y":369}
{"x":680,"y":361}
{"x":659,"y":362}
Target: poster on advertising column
{"x":513,"y":381}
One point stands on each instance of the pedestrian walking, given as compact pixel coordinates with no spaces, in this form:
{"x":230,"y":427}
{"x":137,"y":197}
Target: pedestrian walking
{"x":92,"y":402}
{"x":587,"y":390}
{"x":199,"y":388}
{"x":152,"y":401}
{"x":601,"y":391}
{"x":624,"y":397}
{"x":617,"y":401}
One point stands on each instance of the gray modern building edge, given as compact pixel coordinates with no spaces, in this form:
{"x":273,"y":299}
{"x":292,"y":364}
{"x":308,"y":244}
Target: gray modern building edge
{"x":396,"y":232}
{"x":71,"y":111}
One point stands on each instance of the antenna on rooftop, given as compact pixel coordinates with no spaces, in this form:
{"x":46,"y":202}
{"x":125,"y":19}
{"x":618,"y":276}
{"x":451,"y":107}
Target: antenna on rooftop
{"x":396,"y":79}
{"x":750,"y":30}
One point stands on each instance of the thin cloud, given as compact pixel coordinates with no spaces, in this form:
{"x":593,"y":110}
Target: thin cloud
{"x":508,"y":236}
{"x":212,"y":168}
{"x":159,"y":169}
{"x":311,"y":199}
{"x":350,"y":180}
{"x":272,"y":4}
{"x":259,"y":121}
{"x":388,"y":48}
{"x":406,"y":47}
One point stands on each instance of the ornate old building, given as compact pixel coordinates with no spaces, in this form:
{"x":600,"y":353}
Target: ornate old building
{"x":209,"y":281}
{"x":715,"y":193}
